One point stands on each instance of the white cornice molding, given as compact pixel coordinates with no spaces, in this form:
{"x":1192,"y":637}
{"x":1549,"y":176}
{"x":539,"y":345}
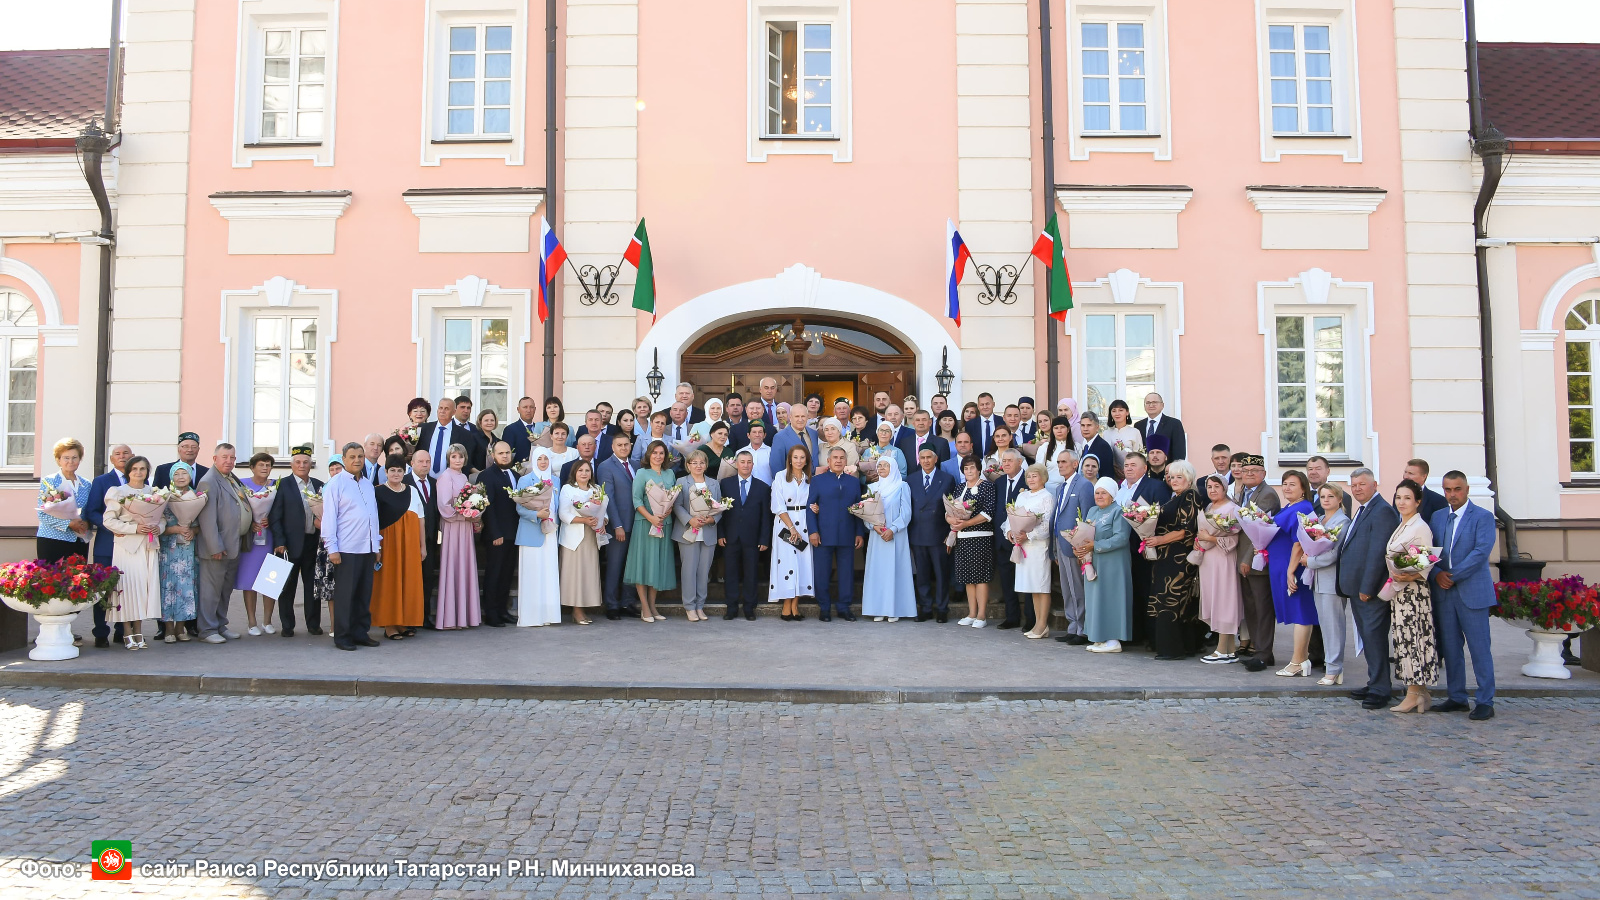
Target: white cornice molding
{"x":1546,"y":181}
{"x":48,"y":182}
{"x":284,"y":205}
{"x":476,"y":203}
{"x":1312,"y":200}
{"x":1171,"y":199}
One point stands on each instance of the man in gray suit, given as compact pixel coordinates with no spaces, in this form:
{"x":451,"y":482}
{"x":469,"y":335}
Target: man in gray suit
{"x":1073,"y":503}
{"x":616,"y":476}
{"x":1255,"y":587}
{"x":223,"y":523}
{"x":1362,"y":571}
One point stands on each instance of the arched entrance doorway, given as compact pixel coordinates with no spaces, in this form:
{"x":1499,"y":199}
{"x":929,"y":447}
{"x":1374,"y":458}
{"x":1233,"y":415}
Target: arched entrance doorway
{"x":829,"y":355}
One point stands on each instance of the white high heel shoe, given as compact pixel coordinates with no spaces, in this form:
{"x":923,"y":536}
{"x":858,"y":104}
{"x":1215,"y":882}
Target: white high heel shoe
{"x":1291,"y":670}
{"x":1327,"y":680}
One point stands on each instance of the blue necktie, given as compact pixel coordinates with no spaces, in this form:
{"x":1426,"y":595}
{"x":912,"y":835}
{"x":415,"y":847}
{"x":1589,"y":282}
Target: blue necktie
{"x":744,"y":490}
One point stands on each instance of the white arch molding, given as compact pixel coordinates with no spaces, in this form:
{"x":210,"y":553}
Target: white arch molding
{"x":52,"y":330}
{"x":1542,"y":336}
{"x":797,"y":290}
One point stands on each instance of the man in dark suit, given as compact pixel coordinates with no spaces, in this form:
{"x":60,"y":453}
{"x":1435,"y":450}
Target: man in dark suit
{"x":1156,"y":422}
{"x":1072,"y":506}
{"x":923,"y":436}
{"x":616,"y":476}
{"x":902,"y":438}
{"x":1138,"y":484}
{"x":587,"y":451}
{"x":499,"y":544}
{"x":426,"y":485}
{"x":1010,"y":484}
{"x":294,"y":537}
{"x":880,"y":411}
{"x":685,"y":395}
{"x":1096,"y":446}
{"x":436,"y":437}
{"x":519,"y":433}
{"x":1432,"y":501}
{"x":929,"y":484}
{"x":743,"y":534}
{"x":1255,"y":586}
{"x":1362,"y":570}
{"x":1463,"y":595}
{"x":594,"y":425}
{"x":94,"y":510}
{"x":738,"y":425}
{"x":765,"y":407}
{"x":1318,"y":472}
{"x":835,"y":536}
{"x":477,"y":444}
{"x":982,"y":427}
{"x":1027,"y":429}
{"x":188,"y":452}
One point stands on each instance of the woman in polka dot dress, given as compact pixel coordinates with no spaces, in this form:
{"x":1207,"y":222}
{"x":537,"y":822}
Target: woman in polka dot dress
{"x":791,"y":576}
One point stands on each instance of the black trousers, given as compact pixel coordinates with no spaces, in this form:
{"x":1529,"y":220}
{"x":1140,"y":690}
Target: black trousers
{"x":1372,"y":620}
{"x":1006,"y":571}
{"x":499,"y":570}
{"x":739,"y":563}
{"x":1141,"y":594}
{"x":931,"y":581}
{"x":430,"y":585}
{"x":305,"y":571}
{"x":352,"y":597}
{"x":616,"y":562}
{"x":1255,"y":590}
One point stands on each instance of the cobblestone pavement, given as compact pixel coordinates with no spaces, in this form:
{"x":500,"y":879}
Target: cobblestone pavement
{"x":1291,"y":798}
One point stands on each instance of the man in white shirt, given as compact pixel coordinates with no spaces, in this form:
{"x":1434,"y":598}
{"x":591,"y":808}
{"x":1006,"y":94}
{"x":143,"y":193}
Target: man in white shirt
{"x":759,"y":451}
{"x":350,"y":533}
{"x":677,"y":426}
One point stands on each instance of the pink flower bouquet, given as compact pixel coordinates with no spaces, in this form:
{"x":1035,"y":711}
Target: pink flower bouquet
{"x":1258,"y":526}
{"x":145,"y":509}
{"x":701,"y":503}
{"x":1019,"y":520}
{"x":660,"y":500}
{"x":185,"y":507}
{"x":537,"y":497}
{"x":1415,"y":559}
{"x":58,"y":502}
{"x":1081,"y":536}
{"x":961,"y":511}
{"x":1315,"y":539}
{"x":1143,"y":516}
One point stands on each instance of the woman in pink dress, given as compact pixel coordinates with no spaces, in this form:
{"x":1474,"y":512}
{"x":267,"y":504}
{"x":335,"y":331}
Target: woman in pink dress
{"x":458,"y":564}
{"x":1220,"y":604}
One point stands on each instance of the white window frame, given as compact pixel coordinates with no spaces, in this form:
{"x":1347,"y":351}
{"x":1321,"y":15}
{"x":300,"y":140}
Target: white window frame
{"x":10,"y":332}
{"x":759,"y":16}
{"x":295,"y":84}
{"x":1121,"y":347}
{"x":252,"y":415}
{"x":476,"y":387}
{"x":471,"y":296}
{"x":1340,"y":18}
{"x":256,"y":18}
{"x":480,"y":80}
{"x":800,"y":78}
{"x":1113,"y":76}
{"x":1590,"y":335}
{"x":1301,"y":78}
{"x":437,"y":143}
{"x":1127,"y":292}
{"x":1156,"y":138}
{"x":239,"y":308}
{"x":1313,"y":422}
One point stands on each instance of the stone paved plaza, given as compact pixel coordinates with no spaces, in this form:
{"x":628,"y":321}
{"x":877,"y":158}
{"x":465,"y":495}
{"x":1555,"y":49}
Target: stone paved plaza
{"x":1269,"y":798}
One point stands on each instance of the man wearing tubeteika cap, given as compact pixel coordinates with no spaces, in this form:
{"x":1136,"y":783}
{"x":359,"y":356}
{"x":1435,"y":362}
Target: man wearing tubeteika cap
{"x":188,"y":452}
{"x":295,"y":537}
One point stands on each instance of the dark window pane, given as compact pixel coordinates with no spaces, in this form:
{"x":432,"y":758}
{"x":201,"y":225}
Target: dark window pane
{"x":1580,"y":424}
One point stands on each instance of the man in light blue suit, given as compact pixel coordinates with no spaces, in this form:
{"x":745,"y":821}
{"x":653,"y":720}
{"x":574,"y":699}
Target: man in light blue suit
{"x":1463,"y":595}
{"x":616,"y":475}
{"x":798,"y":432}
{"x":1072,"y":505}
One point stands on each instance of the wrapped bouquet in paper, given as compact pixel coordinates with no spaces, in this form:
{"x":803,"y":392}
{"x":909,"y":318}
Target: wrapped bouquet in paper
{"x":870,"y":511}
{"x":961,"y":511}
{"x":595,"y":507}
{"x":660,"y":500}
{"x":522,"y":467}
{"x":1019,"y":520}
{"x":867,"y":464}
{"x":261,"y":501}
{"x":537,"y":497}
{"x":727,"y":469}
{"x":1315,"y":539}
{"x":146,"y":509}
{"x":58,"y":502}
{"x":313,"y":500}
{"x":1143,"y":516}
{"x":186,"y":506}
{"x":1414,"y":559}
{"x":1080,"y":537}
{"x":1220,"y":526}
{"x":701,"y":503}
{"x":1258,"y":526}
{"x":470,"y":502}
{"x":992,"y":470}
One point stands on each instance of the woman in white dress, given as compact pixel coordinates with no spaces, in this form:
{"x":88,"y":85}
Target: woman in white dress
{"x":1033,"y":573}
{"x":538,"y":578}
{"x":580,"y":544}
{"x":1120,"y":434}
{"x":791,"y":576}
{"x":136,"y":553}
{"x":887,"y":591}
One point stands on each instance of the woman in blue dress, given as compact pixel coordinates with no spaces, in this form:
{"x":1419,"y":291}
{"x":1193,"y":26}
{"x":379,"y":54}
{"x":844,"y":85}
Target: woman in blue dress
{"x":259,"y":548}
{"x":1299,"y":608}
{"x":177,"y":563}
{"x":887,"y":591}
{"x":1108,"y":599}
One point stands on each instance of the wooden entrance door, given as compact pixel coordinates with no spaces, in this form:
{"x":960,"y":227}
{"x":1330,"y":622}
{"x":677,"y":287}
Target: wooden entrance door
{"x":739,"y":355}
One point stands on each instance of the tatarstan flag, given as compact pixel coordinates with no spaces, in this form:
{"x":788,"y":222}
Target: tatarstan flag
{"x":644,"y":288}
{"x":1048,"y":249}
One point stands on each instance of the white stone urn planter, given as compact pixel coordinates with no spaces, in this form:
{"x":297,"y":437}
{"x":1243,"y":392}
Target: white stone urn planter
{"x":55,"y":626}
{"x":1545,"y":660}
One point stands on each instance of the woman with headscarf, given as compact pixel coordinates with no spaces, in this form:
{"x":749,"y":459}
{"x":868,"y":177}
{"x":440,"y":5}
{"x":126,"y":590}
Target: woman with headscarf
{"x":1108,"y":599}
{"x":1174,"y":581}
{"x":783,"y":417}
{"x":178,"y":568}
{"x":832,"y":436}
{"x":887,"y":591}
{"x":1069,"y":407}
{"x":538,"y":559}
{"x":700,"y":432}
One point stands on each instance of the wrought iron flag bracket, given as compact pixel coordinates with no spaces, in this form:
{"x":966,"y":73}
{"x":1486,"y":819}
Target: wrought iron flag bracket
{"x":590,"y":277}
{"x":998,"y":283}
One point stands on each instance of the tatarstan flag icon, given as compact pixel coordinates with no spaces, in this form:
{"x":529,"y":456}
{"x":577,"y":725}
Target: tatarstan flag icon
{"x":112,"y":860}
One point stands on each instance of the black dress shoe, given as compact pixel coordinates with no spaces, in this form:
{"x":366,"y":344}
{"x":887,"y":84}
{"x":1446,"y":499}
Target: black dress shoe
{"x":1078,"y":640}
{"x":1450,"y":706}
{"x":797,"y":617}
{"x":1375,"y":702}
{"x":613,"y":615}
{"x":749,"y":617}
{"x":1008,"y":624}
{"x":822,"y":617}
{"x":730,"y":615}
{"x":495,"y":624}
{"x":366,"y":641}
{"x":345,"y":646}
{"x":314,"y":630}
{"x":101,"y":643}
{"x":631,"y":612}
{"x":1168,"y":657}
{"x":1359,"y":694}
{"x":1065,"y":638}
{"x":924,"y":616}
{"x":287,"y":632}
{"x":848,"y":616}
{"x":942,"y":618}
{"x":1482,"y":712}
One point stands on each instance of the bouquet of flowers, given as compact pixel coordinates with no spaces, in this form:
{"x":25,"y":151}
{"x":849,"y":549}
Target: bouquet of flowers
{"x":1080,"y":536}
{"x":595,"y":506}
{"x":470,"y":502}
{"x":1414,"y":559}
{"x":726,"y":469}
{"x":145,"y":509}
{"x":1315,"y":539}
{"x":1257,"y":525}
{"x":867,"y":466}
{"x":1020,"y":520}
{"x":313,"y":500}
{"x":74,"y":578}
{"x":1143,"y":517}
{"x":960,"y":510}
{"x":522,"y":467}
{"x":537,"y":497}
{"x":1222,"y":526}
{"x":59,"y":502}
{"x":1123,"y":445}
{"x":870,"y":511}
{"x":660,"y":500}
{"x":1554,"y":604}
{"x":701,"y":503}
{"x":992,"y":469}
{"x":409,"y":434}
{"x":185,"y":506}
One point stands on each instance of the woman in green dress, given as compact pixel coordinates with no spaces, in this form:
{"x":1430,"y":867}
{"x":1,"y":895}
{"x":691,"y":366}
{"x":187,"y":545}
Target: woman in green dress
{"x":650,"y":562}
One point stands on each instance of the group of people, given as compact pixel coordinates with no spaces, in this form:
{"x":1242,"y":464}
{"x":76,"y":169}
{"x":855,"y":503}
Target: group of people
{"x":434,"y":525}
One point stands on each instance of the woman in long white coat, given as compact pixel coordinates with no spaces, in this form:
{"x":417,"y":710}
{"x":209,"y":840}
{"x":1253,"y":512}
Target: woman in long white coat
{"x":1033,"y":573}
{"x":538,"y":578}
{"x":887,"y":591}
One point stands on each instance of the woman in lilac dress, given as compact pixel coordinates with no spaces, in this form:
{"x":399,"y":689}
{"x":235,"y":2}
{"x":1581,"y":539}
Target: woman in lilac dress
{"x":457,"y":605}
{"x":256,"y":550}
{"x":1299,"y":608}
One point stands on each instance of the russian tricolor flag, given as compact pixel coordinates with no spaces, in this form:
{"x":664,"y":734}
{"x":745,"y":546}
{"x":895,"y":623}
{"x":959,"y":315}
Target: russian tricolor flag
{"x":956,"y":255}
{"x":551,"y":256}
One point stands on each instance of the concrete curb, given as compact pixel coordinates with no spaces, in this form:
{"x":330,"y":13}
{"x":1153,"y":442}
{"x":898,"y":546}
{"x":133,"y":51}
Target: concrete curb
{"x":472,"y":690}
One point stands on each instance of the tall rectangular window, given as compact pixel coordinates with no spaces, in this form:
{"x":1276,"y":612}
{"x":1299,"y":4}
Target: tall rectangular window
{"x":1300,"y":60}
{"x":1312,"y":387}
{"x":1115,"y":98}
{"x":478,"y":81}
{"x":293,"y":84}
{"x":283,"y":409}
{"x":799,"y":79}
{"x":1582,"y":327}
{"x":477,"y":360}
{"x":22,"y":378}
{"x":1119,"y":358}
